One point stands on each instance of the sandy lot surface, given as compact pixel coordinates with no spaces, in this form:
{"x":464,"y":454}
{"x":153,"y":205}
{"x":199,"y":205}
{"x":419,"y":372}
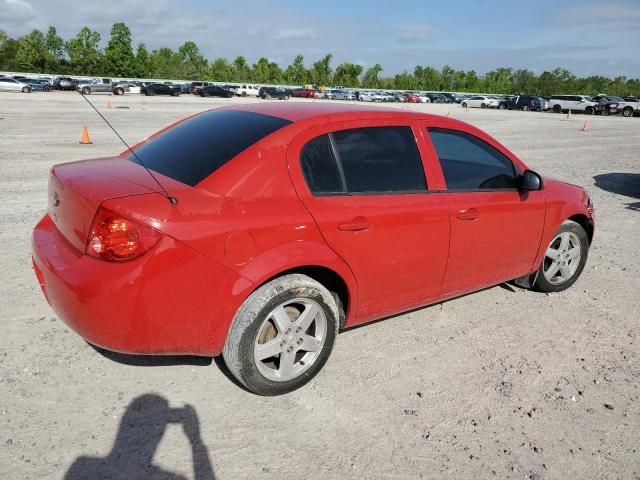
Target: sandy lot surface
{"x":504,"y":383}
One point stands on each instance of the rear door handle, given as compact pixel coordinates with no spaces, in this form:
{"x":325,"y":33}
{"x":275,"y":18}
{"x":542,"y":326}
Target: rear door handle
{"x":468,"y":214}
{"x":358,"y":224}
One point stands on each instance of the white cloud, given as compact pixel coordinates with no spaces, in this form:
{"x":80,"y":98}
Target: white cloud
{"x":291,"y":34}
{"x":416,"y":33}
{"x":15,"y":11}
{"x":599,"y":14}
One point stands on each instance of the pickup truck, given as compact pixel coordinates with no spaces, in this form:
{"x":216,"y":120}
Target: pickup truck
{"x":102,"y":85}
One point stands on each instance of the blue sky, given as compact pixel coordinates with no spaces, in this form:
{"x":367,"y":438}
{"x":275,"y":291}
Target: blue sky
{"x":588,"y":37}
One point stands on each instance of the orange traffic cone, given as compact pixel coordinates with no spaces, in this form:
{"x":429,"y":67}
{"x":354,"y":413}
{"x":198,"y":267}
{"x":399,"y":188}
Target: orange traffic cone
{"x":85,"y":139}
{"x":585,"y":127}
{"x":449,"y":114}
{"x":569,"y":114}
{"x":108,"y":103}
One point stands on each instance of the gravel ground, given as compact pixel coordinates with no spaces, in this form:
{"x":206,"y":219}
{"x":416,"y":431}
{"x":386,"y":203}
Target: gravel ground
{"x":503,"y":383}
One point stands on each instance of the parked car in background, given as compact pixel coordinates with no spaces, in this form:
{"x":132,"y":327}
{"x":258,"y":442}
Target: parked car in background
{"x":215,"y":91}
{"x":365,"y":96}
{"x":524,"y":102}
{"x":38,"y":85}
{"x":480,"y":101}
{"x":160,"y":89}
{"x":453,"y":97}
{"x":341,"y":95}
{"x":333,"y":227}
{"x":196,"y":86}
{"x":64,"y":83}
{"x":274,"y":92}
{"x":134,"y":86}
{"x":12,"y":85}
{"x":104,"y":85}
{"x":412,"y":98}
{"x":247,"y":89}
{"x":303,"y":93}
{"x":575,"y":103}
{"x":608,"y":105}
{"x":635,"y":103}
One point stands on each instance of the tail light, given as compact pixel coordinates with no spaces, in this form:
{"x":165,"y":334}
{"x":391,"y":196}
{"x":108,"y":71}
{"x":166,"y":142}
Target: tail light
{"x":114,"y":238}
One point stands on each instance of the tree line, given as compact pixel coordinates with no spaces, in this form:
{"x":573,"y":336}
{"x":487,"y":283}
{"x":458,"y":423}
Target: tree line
{"x":40,"y":52}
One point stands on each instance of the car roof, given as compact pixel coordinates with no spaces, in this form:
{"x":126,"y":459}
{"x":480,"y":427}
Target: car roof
{"x":298,"y":111}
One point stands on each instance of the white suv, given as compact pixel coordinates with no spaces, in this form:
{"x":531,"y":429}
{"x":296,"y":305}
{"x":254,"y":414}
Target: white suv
{"x":246,"y":89}
{"x":576,"y":103}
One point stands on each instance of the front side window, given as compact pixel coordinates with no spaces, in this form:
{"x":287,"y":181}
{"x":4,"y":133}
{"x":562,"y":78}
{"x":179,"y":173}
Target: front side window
{"x":364,"y":160}
{"x":469,"y":163}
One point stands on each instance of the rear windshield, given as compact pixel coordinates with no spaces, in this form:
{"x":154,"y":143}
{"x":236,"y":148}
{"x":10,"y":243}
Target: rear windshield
{"x":192,"y":150}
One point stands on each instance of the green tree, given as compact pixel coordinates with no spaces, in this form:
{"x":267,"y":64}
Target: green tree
{"x":142,"y":63}
{"x":296,"y":73}
{"x":85,"y":58}
{"x":347,"y":74}
{"x":243,"y":72}
{"x":321,"y":72}
{"x":221,"y":70}
{"x":118,"y":56}
{"x":193,"y":65}
{"x":55,"y":50}
{"x":370,"y":79}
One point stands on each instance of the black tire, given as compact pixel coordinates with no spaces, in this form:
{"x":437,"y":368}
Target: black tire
{"x":244,"y":94}
{"x":605,"y":112}
{"x":151,"y":93}
{"x":119,"y":91}
{"x":267,"y":97}
{"x":86,"y":91}
{"x":26,"y":90}
{"x":47,"y":89}
{"x":502,"y":106}
{"x":557,"y":109}
{"x":526,"y":108}
{"x":589,"y":111}
{"x":464,"y":104}
{"x":239,"y":347}
{"x":627,"y":112}
{"x":542,"y":284}
{"x":483,"y":105}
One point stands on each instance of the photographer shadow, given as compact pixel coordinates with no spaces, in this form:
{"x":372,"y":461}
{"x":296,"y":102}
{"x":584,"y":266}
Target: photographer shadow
{"x":141,"y":429}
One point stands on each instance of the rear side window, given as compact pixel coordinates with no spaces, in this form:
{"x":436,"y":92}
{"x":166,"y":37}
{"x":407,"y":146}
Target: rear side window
{"x":195,"y":148}
{"x":364,"y":160}
{"x":469,"y":163}
{"x":319,"y":166}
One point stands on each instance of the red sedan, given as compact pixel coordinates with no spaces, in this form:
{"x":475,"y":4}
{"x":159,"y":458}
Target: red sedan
{"x":412,"y":98}
{"x":272,"y":226}
{"x":304,"y":93}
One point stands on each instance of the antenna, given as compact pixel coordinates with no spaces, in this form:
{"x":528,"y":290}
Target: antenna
{"x":172,"y":200}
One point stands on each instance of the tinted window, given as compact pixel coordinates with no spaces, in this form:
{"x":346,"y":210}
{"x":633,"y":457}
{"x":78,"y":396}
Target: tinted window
{"x":192,"y":150}
{"x":468,"y":163}
{"x":379,"y":159}
{"x":320,"y":167}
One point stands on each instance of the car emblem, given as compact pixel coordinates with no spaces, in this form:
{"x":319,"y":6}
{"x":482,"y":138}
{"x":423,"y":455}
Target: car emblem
{"x":55,"y":200}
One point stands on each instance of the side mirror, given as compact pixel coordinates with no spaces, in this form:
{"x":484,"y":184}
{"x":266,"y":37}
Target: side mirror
{"x":530,"y":180}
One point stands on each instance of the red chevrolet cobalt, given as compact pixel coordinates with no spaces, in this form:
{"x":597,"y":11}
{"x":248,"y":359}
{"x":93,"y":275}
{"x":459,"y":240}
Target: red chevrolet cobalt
{"x":259,"y":231}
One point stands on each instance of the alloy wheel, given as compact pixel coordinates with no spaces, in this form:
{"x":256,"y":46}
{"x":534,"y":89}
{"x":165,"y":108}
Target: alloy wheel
{"x":290,"y":339}
{"x":562,"y":258}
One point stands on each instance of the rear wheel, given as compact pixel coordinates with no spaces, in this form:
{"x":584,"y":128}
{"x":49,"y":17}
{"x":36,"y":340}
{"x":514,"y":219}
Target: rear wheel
{"x":502,"y":106}
{"x":564,"y":258}
{"x":244,"y":94}
{"x":605,"y":111}
{"x":557,"y":109}
{"x":589,"y":111}
{"x":464,"y":104}
{"x":483,"y":105}
{"x":151,"y":93}
{"x":26,"y":89}
{"x":119,"y":91}
{"x":282,"y":335}
{"x":86,"y":91}
{"x":627,"y":112}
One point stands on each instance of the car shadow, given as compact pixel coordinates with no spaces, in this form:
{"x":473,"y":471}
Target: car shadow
{"x":152,"y":360}
{"x":627,"y":184}
{"x":141,"y":429}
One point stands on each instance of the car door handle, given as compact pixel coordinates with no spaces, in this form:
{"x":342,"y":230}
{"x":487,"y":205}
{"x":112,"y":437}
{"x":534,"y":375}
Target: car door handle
{"x":358,"y":224}
{"x":468,"y":214}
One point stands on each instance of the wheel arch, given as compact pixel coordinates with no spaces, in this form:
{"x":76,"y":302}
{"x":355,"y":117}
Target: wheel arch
{"x":585,"y":223}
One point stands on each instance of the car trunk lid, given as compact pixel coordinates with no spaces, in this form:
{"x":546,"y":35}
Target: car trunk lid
{"x":77,"y":189}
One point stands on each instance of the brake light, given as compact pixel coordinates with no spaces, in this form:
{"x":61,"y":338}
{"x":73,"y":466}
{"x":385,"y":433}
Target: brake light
{"x":115,"y":238}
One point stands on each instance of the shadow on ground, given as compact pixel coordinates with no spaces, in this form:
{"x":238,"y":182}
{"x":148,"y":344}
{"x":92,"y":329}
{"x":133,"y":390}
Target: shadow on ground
{"x":141,"y":430}
{"x":627,"y":184}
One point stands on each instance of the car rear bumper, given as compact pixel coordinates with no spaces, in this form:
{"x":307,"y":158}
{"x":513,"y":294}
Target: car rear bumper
{"x":172,"y":300}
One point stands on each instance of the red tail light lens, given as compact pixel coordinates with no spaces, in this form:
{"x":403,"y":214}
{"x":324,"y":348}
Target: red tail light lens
{"x":115,"y":238}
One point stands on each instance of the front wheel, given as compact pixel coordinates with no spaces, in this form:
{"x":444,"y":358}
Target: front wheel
{"x":26,"y":90}
{"x":282,"y":335}
{"x":564,"y":258}
{"x":483,"y":105}
{"x":627,"y":112}
{"x":464,"y":105}
{"x":502,"y":106}
{"x":119,"y":91}
{"x":151,"y":93}
{"x":589,"y":111}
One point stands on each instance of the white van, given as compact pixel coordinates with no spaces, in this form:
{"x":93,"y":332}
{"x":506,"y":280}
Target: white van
{"x":576,"y":103}
{"x":246,"y":89}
